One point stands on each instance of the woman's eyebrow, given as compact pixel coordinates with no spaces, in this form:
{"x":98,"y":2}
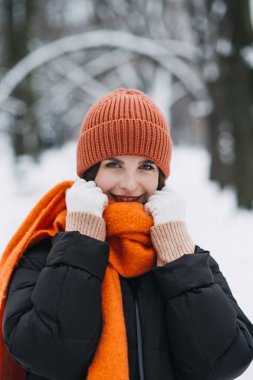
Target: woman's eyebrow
{"x":121,"y":162}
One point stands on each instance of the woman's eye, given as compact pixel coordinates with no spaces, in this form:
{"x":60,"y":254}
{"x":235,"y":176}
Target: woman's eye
{"x":145,"y":166}
{"x":110,"y":164}
{"x":149,"y":166}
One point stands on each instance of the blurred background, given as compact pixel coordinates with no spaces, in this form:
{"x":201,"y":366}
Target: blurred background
{"x":194,"y":58}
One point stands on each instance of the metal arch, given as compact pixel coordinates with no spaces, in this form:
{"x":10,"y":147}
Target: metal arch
{"x":111,"y":38}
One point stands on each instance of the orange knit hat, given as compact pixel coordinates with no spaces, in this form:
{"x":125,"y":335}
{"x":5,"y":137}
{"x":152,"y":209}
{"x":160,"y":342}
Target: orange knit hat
{"x":124,"y":122}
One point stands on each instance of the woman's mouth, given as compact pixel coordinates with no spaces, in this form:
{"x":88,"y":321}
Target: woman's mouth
{"x":122,"y":198}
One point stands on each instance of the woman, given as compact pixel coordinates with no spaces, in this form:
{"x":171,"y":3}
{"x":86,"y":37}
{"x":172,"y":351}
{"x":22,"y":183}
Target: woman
{"x":110,"y":285}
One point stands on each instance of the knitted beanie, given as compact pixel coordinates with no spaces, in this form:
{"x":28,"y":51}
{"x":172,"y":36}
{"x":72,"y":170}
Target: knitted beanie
{"x":124,"y":122}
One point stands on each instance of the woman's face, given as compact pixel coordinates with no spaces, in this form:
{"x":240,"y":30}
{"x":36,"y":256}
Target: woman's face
{"x":128,"y":176}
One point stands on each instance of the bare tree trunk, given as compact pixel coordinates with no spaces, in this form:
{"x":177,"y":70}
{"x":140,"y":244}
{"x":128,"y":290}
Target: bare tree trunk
{"x":18,"y":16}
{"x":221,"y":130}
{"x":241,"y":100}
{"x":230,"y":123}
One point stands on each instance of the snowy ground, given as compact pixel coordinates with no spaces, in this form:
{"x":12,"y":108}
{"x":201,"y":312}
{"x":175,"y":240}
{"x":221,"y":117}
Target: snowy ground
{"x":212,"y":217}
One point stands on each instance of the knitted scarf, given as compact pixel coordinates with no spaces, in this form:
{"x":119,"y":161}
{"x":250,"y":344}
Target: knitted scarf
{"x":131,"y":254}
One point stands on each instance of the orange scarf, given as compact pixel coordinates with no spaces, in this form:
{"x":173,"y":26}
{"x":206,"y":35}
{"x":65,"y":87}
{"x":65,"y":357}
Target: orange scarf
{"x":131,"y":254}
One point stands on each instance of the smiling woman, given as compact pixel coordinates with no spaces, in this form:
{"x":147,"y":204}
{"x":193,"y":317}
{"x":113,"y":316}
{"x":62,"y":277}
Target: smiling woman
{"x":125,"y":177}
{"x":91,"y":173}
{"x":128,"y":176}
{"x":102,"y":286}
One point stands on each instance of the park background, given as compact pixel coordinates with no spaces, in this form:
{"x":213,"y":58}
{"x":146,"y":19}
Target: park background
{"x":194,"y":58}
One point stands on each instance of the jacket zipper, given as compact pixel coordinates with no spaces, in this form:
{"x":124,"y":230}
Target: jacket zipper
{"x":139,"y":340}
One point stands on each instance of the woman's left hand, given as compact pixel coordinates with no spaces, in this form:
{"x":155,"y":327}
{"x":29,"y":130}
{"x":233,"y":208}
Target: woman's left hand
{"x":165,"y":206}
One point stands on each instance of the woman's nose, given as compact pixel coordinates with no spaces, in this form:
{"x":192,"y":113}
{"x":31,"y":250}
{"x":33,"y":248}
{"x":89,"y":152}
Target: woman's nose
{"x":129,"y":183}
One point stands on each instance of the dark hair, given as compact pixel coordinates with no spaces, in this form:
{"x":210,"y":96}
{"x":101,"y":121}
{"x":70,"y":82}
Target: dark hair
{"x":91,"y":173}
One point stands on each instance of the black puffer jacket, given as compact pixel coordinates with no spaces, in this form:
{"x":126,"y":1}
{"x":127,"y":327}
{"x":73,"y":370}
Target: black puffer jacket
{"x":182,"y":321}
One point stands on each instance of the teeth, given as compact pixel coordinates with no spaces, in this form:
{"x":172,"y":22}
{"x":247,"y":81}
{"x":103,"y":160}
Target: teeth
{"x":126,"y":199}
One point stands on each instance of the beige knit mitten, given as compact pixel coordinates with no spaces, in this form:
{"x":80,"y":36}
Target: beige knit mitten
{"x":85,"y":203}
{"x":171,"y":240}
{"x":86,"y":224}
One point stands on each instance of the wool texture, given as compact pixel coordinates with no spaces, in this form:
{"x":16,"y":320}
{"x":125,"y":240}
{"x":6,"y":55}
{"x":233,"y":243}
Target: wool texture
{"x":131,"y":254}
{"x":124,"y":122}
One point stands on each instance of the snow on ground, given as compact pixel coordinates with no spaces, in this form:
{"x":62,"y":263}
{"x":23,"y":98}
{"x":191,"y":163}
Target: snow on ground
{"x":213,"y":220}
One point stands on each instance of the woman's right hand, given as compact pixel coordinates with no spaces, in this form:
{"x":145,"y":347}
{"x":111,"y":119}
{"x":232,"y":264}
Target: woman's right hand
{"x":86,"y":196}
